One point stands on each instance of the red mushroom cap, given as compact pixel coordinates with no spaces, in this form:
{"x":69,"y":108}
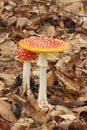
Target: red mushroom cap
{"x":25,"y":54}
{"x":39,"y":44}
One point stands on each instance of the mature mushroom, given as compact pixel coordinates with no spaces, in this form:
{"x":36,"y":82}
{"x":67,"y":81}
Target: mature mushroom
{"x":26,"y":56}
{"x":43,"y":46}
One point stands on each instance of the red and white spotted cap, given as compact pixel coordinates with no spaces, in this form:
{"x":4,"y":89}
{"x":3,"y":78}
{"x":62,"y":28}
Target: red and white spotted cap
{"x":39,"y":44}
{"x":23,"y":54}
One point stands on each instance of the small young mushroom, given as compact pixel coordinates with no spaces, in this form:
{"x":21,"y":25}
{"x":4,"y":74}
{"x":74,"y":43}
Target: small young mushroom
{"x":26,"y":56}
{"x":43,"y":46}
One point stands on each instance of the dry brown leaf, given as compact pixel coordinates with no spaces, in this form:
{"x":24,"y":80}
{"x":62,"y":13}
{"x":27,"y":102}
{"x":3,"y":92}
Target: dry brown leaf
{"x":50,"y":79}
{"x":21,"y":21}
{"x":44,"y":127}
{"x":78,"y":126}
{"x":22,"y":11}
{"x":8,"y":47}
{"x":17,"y":99}
{"x":52,"y":57}
{"x":7,"y":78}
{"x":65,"y":124}
{"x":81,"y":40}
{"x":25,"y":2}
{"x":75,"y":47}
{"x":32,"y":101}
{"x":40,"y":117}
{"x":35,"y":128}
{"x":51,"y":32}
{"x":83,"y":97}
{"x":22,"y":124}
{"x":63,"y":112}
{"x":73,"y":6}
{"x":85,"y":126}
{"x":84,"y":22}
{"x":84,"y":45}
{"x":75,"y":60}
{"x":51,"y":125}
{"x":65,"y":60}
{"x":73,"y":103}
{"x":3,"y":37}
{"x":4,"y":125}
{"x":11,"y":20}
{"x":70,"y":84}
{"x":8,"y":8}
{"x":2,"y":3}
{"x":18,"y":126}
{"x":69,"y":117}
{"x":61,"y":24}
{"x":28,"y":109}
{"x":2,"y":40}
{"x":12,"y":3}
{"x":37,"y":20}
{"x":6,"y":112}
{"x":2,"y":85}
{"x":79,"y":109}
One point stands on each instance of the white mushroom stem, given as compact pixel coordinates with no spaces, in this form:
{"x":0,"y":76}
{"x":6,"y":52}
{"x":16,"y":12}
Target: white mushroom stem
{"x":42,"y":63}
{"x":26,"y":76}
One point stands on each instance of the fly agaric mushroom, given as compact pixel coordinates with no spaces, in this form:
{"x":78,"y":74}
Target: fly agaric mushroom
{"x":43,"y":46}
{"x":26,"y":56}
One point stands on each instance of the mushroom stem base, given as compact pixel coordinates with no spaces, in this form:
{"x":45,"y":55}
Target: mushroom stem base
{"x":42,"y":104}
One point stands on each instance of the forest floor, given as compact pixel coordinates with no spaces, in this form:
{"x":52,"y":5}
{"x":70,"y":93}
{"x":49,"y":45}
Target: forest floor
{"x":67,"y":71}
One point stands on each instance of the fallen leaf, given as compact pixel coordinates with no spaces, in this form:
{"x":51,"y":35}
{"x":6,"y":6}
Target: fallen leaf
{"x":74,"y":103}
{"x":61,"y":24}
{"x":8,"y":78}
{"x":22,"y":11}
{"x":2,"y":3}
{"x":80,"y":109}
{"x":75,"y":59}
{"x":37,"y":20}
{"x":83,"y":97}
{"x":2,"y":85}
{"x":4,"y":125}
{"x":25,"y":2}
{"x":77,"y":126}
{"x":81,"y":40}
{"x":63,"y":112}
{"x":22,"y":124}
{"x":73,"y":7}
{"x":8,"y":47}
{"x":21,"y":21}
{"x":65,"y":124}
{"x":51,"y":32}
{"x":70,"y":84}
{"x":50,"y":79}
{"x":39,"y":117}
{"x":11,"y":20}
{"x":12,"y":3}
{"x":18,"y":126}
{"x":6,"y":112}
{"x":8,"y":8}
{"x":69,"y":117}
{"x":52,"y":57}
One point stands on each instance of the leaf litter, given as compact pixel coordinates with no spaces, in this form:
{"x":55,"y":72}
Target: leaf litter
{"x":67,"y":71}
